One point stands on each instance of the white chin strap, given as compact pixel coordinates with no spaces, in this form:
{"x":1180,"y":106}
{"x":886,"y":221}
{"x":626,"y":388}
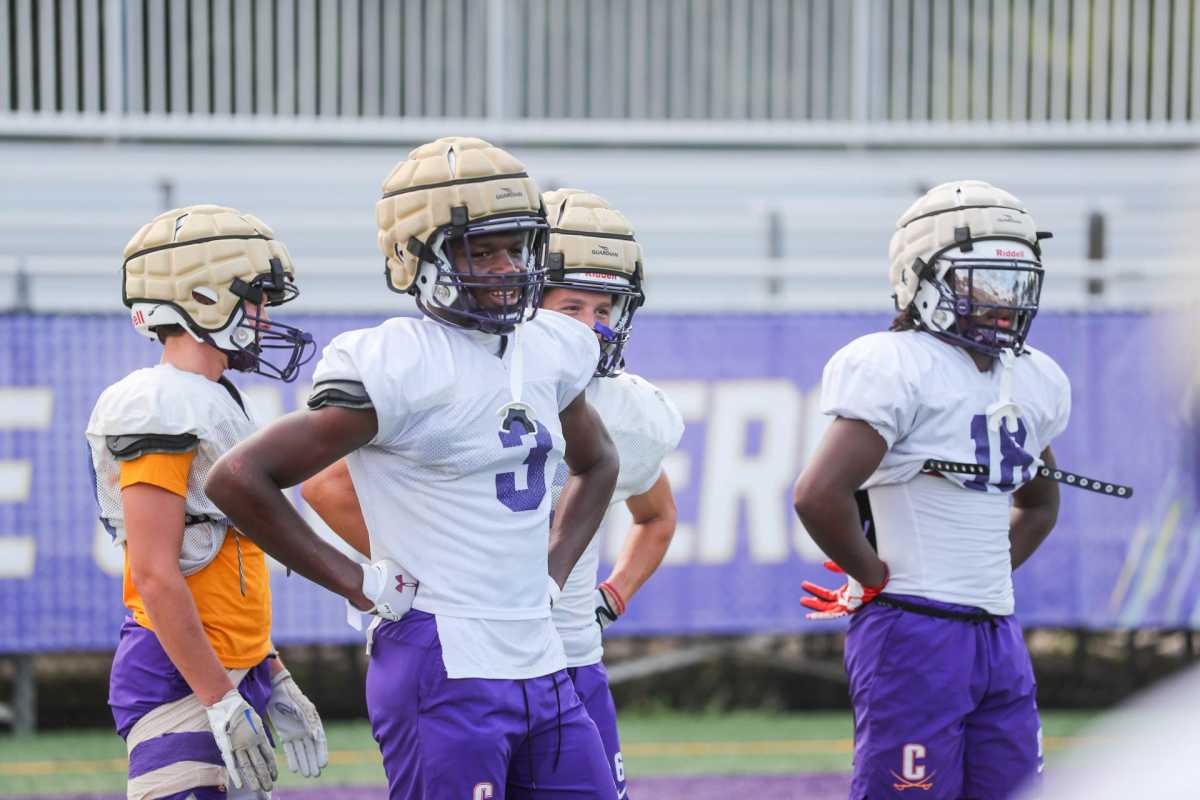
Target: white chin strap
{"x":1005,"y":408}
{"x":516,"y":380}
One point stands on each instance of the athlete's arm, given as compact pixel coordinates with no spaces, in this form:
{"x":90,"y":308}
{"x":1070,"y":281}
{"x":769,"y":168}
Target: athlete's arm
{"x":247,"y":483}
{"x":592,"y":460}
{"x":648,"y":538}
{"x":824,"y":497}
{"x":331,"y":494}
{"x":153,"y":540}
{"x":1034,"y":512}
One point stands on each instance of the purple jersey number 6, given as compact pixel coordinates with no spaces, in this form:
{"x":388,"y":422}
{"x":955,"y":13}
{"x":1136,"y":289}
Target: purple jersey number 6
{"x":1012,"y":454}
{"x":530,"y":497}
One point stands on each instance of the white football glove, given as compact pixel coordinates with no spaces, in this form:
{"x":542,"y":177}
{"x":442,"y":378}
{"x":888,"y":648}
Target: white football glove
{"x":608,"y":605}
{"x":554,"y":590}
{"x":387,"y":586}
{"x":242,"y":739}
{"x":297,"y":726}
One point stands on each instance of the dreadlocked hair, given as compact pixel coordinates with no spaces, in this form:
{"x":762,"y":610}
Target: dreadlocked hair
{"x":905,"y":321}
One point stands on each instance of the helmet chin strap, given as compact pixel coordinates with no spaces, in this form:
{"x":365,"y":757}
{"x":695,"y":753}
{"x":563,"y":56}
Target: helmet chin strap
{"x":515,"y":410}
{"x":1005,"y":408}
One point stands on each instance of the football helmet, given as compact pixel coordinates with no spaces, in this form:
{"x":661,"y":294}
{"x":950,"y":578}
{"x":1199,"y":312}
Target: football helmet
{"x":966,"y":261}
{"x":197,"y":267}
{"x":462,"y":228}
{"x":592,"y":249}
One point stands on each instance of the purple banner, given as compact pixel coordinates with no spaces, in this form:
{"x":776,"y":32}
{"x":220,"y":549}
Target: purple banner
{"x":748,"y":388}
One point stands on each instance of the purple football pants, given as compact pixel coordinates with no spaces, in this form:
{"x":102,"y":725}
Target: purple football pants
{"x":142,"y":679}
{"x":476,"y":738}
{"x":591,"y":684}
{"x":943,"y":708}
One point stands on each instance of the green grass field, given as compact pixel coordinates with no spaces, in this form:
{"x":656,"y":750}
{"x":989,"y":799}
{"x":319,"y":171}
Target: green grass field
{"x":653,"y":744}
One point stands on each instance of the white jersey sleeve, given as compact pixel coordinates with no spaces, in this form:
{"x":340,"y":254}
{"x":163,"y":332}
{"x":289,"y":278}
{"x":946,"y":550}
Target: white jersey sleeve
{"x":579,"y":353}
{"x":867,"y":380}
{"x":645,"y":427}
{"x":1052,"y":412}
{"x":386,"y":360}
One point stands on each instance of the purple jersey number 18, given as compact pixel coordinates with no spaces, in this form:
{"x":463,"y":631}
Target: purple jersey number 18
{"x":1012,"y":454}
{"x":530,"y":497}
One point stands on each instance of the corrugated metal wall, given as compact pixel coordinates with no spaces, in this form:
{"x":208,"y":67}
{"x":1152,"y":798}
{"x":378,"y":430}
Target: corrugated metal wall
{"x":1065,"y":61}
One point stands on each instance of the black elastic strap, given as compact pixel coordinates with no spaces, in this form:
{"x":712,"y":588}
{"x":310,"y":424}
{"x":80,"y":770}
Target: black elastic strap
{"x":528,"y":737}
{"x":343,"y":394}
{"x":129,"y":447}
{"x":1061,"y":475}
{"x":976,"y":617}
{"x":866,"y":516}
{"x":233,"y":392}
{"x":197,"y":519}
{"x":962,"y":238}
{"x":247,"y":291}
{"x":456,"y":182}
{"x":557,"y":724}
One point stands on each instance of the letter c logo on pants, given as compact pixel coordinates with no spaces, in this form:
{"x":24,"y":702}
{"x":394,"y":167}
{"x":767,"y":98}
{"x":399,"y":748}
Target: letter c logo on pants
{"x":910,"y":769}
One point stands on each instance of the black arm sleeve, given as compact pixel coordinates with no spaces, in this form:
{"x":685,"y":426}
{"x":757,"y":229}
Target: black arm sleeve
{"x":344,"y":394}
{"x":127,"y":448}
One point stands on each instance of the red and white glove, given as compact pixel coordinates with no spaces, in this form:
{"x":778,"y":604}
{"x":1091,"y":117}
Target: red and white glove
{"x":831,"y":604}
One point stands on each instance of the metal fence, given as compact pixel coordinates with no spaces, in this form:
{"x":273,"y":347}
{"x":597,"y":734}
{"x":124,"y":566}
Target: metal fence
{"x":550,"y":69}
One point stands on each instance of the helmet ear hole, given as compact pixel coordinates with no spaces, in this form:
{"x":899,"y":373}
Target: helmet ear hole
{"x":205,"y":296}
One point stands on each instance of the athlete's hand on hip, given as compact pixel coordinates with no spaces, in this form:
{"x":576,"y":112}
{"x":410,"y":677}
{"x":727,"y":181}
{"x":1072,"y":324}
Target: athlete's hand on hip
{"x":242,"y":739}
{"x":389,"y":588}
{"x":297,"y":726}
{"x":833,"y":603}
{"x":608,"y":605}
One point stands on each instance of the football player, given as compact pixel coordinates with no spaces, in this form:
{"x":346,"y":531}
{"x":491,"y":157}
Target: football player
{"x":940,"y":680}
{"x":594,"y":274}
{"x":453,"y":425}
{"x":195,"y":673}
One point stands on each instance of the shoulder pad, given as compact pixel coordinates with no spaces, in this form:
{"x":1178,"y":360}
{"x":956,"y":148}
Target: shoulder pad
{"x":344,"y":394}
{"x":127,"y":448}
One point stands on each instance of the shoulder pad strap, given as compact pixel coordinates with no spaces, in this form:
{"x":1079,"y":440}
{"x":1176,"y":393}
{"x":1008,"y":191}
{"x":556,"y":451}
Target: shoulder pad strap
{"x":345,"y":394}
{"x":127,"y":448}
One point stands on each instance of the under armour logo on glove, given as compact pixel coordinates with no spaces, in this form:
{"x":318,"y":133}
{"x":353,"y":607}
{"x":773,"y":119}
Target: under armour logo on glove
{"x":831,"y":604}
{"x":384,"y":585}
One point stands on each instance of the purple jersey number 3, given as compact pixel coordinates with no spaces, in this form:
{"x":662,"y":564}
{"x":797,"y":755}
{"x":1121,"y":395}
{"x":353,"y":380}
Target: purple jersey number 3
{"x":530,"y":497}
{"x":1012,"y":454}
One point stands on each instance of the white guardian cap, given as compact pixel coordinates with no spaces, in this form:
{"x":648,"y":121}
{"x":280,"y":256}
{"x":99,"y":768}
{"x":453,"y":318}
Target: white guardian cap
{"x":966,"y":264}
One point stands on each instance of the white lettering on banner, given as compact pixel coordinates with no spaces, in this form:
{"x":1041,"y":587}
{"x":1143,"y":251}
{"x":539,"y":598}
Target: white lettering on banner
{"x":17,"y":556}
{"x":21,"y":408}
{"x":754,"y":484}
{"x":791,"y":427}
{"x":813,"y":425}
{"x":15,"y":479}
{"x":691,"y":398}
{"x":26,"y":408}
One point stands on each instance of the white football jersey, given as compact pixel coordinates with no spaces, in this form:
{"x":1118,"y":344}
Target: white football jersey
{"x":165,"y":401}
{"x":946,"y":538}
{"x":462,"y":506}
{"x":645,"y":426}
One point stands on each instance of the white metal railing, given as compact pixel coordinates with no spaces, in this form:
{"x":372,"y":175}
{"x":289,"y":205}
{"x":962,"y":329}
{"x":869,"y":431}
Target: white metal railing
{"x":675,"y":70}
{"x":64,"y":284}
